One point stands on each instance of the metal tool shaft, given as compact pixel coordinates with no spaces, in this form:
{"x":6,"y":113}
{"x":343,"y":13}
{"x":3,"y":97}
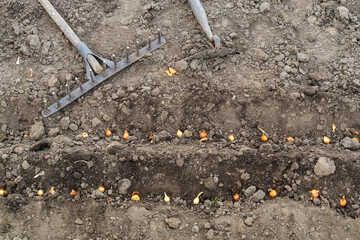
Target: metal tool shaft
{"x":200,"y":15}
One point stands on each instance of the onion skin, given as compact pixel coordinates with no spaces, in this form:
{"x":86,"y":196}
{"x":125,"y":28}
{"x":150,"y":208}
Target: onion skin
{"x":231,"y":138}
{"x":166,"y":198}
{"x":264,"y":138}
{"x":108,"y":132}
{"x":326,"y":140}
{"x":126,"y":135}
{"x":236,"y":197}
{"x":179,"y":133}
{"x":40,"y":193}
{"x":73,"y":193}
{"x":272,"y":193}
{"x":343,"y":201}
{"x":203,"y":134}
{"x":197,"y":199}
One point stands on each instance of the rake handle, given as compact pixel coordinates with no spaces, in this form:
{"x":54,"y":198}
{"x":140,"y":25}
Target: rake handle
{"x":70,"y":34}
{"x":200,"y":15}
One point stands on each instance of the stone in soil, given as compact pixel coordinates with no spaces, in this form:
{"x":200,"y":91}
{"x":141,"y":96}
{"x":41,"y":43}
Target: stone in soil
{"x":187,"y":134}
{"x":25,"y":165}
{"x":124,"y":185}
{"x":173,"y":223}
{"x":210,"y":234}
{"x":95,"y":122}
{"x":350,"y":143}
{"x":302,"y":57}
{"x":209,"y":183}
{"x":258,"y":196}
{"x":78,"y":221}
{"x":343,"y":13}
{"x":324,"y":167}
{"x":265,"y":6}
{"x":250,"y":191}
{"x":181,"y":65}
{"x":64,"y":123}
{"x":249,"y":221}
{"x":37,"y":131}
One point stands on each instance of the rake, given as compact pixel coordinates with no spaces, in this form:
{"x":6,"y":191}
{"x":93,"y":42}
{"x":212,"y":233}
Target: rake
{"x":98,"y":69}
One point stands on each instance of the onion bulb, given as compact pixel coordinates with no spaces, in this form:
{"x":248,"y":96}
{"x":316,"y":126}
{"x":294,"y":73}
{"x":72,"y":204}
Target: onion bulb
{"x":343,"y":201}
{"x":264,"y":138}
{"x":73,"y":193}
{"x":272,"y":193}
{"x":231,"y":138}
{"x":108,"y":132}
{"x":197,"y":199}
{"x":101,"y":189}
{"x":135,"y":197}
{"x":179,"y":133}
{"x":326,"y":140}
{"x":126,"y":135}
{"x":40,"y":193}
{"x":203,"y":134}
{"x":236,"y":197}
{"x":84,"y":135}
{"x":315,"y":193}
{"x":166,"y":198}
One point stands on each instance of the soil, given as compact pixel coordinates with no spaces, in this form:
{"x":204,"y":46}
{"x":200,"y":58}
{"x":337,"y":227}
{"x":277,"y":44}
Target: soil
{"x":296,"y":76}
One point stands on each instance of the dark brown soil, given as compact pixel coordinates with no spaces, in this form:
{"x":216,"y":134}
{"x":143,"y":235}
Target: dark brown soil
{"x":296,"y":75}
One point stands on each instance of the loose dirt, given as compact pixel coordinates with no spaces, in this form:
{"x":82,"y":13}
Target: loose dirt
{"x":296,"y":75}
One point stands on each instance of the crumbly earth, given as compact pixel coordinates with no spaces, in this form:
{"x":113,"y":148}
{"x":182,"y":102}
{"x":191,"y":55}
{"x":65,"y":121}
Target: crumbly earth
{"x":296,"y":76}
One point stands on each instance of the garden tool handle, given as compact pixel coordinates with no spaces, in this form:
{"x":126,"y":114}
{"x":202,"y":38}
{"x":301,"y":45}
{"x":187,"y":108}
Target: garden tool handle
{"x":70,"y":34}
{"x":200,"y":15}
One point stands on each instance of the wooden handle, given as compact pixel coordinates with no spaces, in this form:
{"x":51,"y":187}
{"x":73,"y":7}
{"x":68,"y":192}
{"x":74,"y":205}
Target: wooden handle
{"x":95,"y":65}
